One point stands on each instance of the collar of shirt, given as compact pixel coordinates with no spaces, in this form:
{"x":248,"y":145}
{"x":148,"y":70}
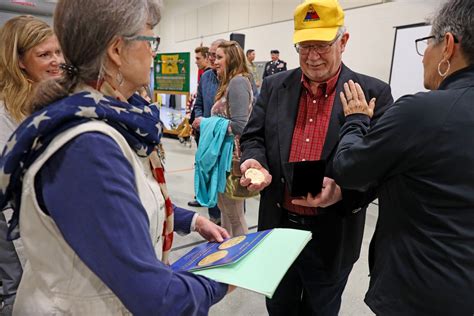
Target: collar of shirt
{"x":326,"y":87}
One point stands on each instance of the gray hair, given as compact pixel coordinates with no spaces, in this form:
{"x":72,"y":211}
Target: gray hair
{"x":457,"y":17}
{"x":84,"y":29}
{"x":340,"y":31}
{"x":217,"y":42}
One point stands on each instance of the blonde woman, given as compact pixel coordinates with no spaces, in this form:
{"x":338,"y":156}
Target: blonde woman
{"x":233,"y":101}
{"x":29,"y":54}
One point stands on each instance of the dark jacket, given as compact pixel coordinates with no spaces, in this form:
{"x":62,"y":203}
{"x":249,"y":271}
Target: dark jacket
{"x":267,"y":138}
{"x":273,"y":67}
{"x":421,"y":156}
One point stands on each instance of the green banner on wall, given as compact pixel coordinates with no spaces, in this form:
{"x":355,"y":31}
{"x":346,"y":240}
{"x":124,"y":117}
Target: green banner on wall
{"x":172,"y":72}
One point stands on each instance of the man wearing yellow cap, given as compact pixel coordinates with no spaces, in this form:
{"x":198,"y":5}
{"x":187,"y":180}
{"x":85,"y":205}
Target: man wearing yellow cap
{"x":302,"y":124}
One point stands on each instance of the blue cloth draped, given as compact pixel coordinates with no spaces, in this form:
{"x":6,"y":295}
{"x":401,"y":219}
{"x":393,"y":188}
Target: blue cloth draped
{"x":213,"y":160}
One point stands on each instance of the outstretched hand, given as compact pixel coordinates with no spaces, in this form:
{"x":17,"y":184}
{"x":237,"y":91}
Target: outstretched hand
{"x":353,"y":100}
{"x":210,"y":231}
{"x":329,"y":195}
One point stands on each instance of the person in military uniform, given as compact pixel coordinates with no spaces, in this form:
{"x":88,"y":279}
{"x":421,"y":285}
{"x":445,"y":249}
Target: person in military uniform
{"x":275,"y":65}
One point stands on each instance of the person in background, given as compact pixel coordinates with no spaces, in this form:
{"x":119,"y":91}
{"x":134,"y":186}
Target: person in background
{"x":275,"y":65}
{"x":420,"y":157}
{"x":297,"y":117}
{"x":205,"y":96}
{"x":250,"y":54}
{"x":234,"y":100}
{"x":202,"y":60}
{"x":29,"y":53}
{"x":94,"y":230}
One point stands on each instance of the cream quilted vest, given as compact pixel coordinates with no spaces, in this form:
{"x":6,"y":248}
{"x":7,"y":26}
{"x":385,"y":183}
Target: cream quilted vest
{"x":55,"y":281}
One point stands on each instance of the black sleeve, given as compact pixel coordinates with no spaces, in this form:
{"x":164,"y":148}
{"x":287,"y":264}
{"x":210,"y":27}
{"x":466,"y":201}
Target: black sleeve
{"x":252,"y":141}
{"x":353,"y":198}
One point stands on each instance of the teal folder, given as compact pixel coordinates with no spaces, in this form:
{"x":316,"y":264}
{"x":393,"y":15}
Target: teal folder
{"x":263,"y":267}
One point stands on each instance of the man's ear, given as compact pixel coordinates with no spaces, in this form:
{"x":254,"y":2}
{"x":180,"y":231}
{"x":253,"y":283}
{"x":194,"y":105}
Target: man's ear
{"x":344,"y":40}
{"x":115,"y":51}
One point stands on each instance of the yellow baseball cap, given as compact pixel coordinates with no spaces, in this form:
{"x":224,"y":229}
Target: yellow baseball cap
{"x":317,"y":20}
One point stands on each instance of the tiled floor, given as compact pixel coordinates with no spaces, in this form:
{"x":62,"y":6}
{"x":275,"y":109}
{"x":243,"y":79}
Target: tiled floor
{"x":180,"y":177}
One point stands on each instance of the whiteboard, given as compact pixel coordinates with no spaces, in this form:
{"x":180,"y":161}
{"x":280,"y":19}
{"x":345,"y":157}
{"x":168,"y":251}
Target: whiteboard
{"x":406,"y":73}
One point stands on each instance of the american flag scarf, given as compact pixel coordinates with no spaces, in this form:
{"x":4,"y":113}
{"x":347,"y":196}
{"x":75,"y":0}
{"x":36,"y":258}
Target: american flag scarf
{"x":137,"y":121}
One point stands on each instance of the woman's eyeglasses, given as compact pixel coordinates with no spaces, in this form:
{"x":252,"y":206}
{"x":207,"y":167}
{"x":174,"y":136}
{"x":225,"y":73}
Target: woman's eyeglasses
{"x":153,"y":41}
{"x":422,"y":43}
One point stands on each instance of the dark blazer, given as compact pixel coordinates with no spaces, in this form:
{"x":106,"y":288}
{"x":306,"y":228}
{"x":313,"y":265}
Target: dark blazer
{"x":273,"y":67}
{"x":421,"y":156}
{"x":267,"y":138}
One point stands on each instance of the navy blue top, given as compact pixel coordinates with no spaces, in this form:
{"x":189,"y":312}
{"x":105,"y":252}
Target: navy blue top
{"x":88,"y":188}
{"x":207,"y":89}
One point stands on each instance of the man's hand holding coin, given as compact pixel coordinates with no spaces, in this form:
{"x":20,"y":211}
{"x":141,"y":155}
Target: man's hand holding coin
{"x":255,"y":177}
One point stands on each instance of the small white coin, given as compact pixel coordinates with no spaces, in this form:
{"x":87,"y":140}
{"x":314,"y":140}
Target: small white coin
{"x":255,"y":175}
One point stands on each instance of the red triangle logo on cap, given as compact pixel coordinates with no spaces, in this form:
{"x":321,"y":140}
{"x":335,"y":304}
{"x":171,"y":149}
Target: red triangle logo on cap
{"x":311,"y":15}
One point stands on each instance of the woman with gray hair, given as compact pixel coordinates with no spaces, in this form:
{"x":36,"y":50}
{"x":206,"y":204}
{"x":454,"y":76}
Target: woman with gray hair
{"x":420,"y":157}
{"x":84,"y":178}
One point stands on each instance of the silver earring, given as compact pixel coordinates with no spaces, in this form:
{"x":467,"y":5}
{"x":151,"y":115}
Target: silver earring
{"x":443,"y":74}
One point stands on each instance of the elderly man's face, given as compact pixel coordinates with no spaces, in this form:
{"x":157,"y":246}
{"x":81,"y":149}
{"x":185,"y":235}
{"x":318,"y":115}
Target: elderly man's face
{"x":275,"y":57}
{"x":319,"y":67}
{"x":212,"y":55}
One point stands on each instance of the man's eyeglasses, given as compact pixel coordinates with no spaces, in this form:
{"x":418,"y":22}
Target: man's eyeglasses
{"x":318,"y":48}
{"x":422,"y":43}
{"x":153,"y":41}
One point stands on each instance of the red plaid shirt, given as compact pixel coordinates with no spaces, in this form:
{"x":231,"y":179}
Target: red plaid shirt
{"x":310,"y":131}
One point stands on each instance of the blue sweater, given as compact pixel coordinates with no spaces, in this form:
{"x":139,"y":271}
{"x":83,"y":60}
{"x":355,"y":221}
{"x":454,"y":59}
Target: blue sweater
{"x":206,"y":93}
{"x":117,"y":245}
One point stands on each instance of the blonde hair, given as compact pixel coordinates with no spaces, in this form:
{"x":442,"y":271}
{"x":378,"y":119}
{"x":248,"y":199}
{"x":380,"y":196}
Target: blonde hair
{"x":236,"y":64}
{"x":85,"y":28}
{"x":18,"y":35}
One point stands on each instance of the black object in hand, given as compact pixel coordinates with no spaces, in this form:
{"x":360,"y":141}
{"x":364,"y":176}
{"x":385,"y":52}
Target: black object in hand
{"x":305,"y":177}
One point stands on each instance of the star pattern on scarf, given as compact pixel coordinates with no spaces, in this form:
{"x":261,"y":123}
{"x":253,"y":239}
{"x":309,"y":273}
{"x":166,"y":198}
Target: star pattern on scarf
{"x":87,"y":111}
{"x":38,"y":119}
{"x":136,"y":110}
{"x":96,"y":96}
{"x":140,"y":133}
{"x":36,"y":144}
{"x":118,"y":109}
{"x":147,"y":109}
{"x":4,"y":180}
{"x":159,"y":127}
{"x":142,"y":151}
{"x":10,"y":144}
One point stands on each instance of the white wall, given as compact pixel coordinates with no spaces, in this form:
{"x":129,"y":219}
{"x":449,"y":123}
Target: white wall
{"x":7,"y":15}
{"x":369,"y":49}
